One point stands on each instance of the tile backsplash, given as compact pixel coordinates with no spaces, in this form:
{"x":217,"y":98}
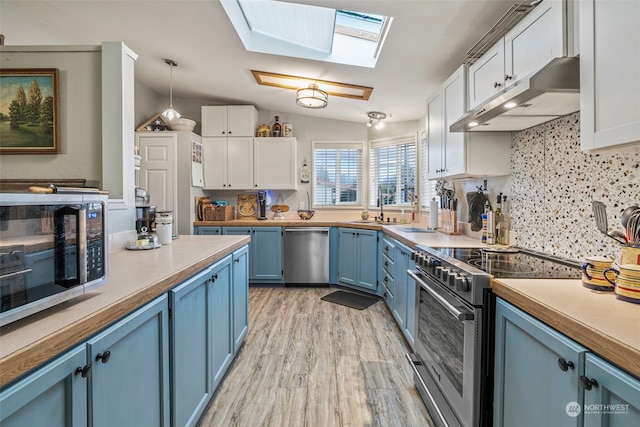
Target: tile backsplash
{"x":553,"y":184}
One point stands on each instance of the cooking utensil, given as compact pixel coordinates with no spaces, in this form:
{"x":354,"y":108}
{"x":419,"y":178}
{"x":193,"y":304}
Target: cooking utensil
{"x":626,"y":214}
{"x":619,"y":236}
{"x":600,"y":215}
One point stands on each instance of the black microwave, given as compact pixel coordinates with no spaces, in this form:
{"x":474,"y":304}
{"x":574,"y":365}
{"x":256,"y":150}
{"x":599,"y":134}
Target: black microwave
{"x":53,"y":247}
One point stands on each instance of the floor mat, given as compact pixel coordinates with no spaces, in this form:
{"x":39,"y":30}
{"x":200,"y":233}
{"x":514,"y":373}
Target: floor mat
{"x":350,"y":299}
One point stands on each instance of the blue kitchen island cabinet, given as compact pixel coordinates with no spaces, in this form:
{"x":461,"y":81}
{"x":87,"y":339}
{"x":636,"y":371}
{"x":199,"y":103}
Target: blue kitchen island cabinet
{"x":611,"y":396}
{"x":240,"y":297}
{"x":265,"y":252}
{"x":358,"y":258}
{"x":191,"y":333}
{"x":537,"y":372}
{"x":54,"y":395}
{"x":129,"y":381}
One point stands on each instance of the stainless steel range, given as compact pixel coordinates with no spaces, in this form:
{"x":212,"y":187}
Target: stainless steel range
{"x":453,"y":356}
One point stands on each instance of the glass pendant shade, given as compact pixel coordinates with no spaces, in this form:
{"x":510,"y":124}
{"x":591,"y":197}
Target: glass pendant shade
{"x":312,"y":97}
{"x":170,"y":113}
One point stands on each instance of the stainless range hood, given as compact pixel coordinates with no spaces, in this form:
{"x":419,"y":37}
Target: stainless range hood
{"x":547,"y":94}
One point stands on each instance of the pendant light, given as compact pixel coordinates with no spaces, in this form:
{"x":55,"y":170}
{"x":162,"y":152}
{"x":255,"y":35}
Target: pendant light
{"x":312,"y":97}
{"x":170,"y":113}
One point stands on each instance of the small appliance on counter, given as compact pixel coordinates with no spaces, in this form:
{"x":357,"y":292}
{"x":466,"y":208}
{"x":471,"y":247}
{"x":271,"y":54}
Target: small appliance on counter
{"x":53,"y":247}
{"x":262,"y":205}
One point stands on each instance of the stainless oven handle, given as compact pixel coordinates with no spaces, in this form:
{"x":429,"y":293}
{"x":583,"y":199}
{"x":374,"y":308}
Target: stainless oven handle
{"x":425,"y":389}
{"x":461,"y":315}
{"x":15,"y":273}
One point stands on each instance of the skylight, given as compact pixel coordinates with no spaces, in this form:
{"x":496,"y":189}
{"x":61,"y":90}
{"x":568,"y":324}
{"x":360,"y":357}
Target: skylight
{"x":310,"y":32}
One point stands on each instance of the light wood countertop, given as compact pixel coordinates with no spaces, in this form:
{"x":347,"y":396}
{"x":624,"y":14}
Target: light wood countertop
{"x":607,"y":326}
{"x":135,"y":278}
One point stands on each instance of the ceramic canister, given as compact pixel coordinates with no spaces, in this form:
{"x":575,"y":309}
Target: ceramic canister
{"x":628,"y":283}
{"x":630,"y":255}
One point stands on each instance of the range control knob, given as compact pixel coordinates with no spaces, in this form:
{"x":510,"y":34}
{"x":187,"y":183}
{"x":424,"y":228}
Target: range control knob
{"x":438,"y":271}
{"x":462,"y":284}
{"x":452,"y":279}
{"x":444,"y":274}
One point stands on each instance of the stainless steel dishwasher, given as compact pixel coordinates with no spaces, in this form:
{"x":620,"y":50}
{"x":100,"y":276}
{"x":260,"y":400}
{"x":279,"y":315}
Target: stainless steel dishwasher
{"x":306,"y":255}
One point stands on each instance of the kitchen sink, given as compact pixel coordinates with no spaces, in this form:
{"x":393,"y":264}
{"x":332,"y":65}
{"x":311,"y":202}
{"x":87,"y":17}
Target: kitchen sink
{"x":416,"y":230}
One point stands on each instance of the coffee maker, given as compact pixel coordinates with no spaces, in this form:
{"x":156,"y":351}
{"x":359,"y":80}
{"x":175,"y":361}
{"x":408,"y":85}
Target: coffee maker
{"x":145,"y":214}
{"x":262,"y":204}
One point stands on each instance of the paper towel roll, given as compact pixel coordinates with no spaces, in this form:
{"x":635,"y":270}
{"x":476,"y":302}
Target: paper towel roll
{"x":433,"y":214}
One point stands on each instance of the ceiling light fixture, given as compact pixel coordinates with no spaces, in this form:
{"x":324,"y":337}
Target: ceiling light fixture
{"x":510,"y":104}
{"x":170,"y":113}
{"x":288,"y":81}
{"x":375,"y":119}
{"x":312,"y":97}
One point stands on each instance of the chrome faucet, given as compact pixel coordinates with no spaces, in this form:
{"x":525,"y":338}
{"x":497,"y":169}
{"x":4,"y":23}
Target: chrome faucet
{"x":381,"y":202}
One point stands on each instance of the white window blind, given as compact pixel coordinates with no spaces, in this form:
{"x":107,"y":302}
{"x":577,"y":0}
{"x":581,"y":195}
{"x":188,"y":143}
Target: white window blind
{"x":337,"y":174}
{"x":427,"y":188}
{"x":392,"y":168}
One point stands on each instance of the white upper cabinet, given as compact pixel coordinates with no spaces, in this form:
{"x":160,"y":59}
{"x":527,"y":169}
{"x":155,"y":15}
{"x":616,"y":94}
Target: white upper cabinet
{"x":275,"y":163}
{"x":434,"y":135}
{"x":545,"y":33}
{"x":609,"y":73}
{"x":456,"y":155}
{"x":229,"y":120}
{"x":228,"y":163}
{"x":486,"y":76}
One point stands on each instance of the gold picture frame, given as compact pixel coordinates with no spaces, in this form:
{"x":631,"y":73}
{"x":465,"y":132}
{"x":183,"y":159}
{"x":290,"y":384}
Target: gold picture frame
{"x":29,"y":111}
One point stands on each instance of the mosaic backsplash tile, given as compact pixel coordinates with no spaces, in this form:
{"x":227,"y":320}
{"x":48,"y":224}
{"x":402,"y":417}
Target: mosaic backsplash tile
{"x":553,"y":184}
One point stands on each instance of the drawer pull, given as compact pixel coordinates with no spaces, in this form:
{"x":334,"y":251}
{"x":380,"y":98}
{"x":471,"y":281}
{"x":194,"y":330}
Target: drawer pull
{"x":84,"y":371}
{"x":565,"y":365}
{"x":587,"y":383}
{"x":104,"y":357}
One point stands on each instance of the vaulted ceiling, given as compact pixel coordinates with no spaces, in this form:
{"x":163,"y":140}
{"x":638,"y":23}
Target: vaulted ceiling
{"x":427,"y":41}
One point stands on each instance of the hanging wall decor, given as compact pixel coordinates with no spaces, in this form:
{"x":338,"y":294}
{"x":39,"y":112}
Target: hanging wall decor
{"x":29,"y":111}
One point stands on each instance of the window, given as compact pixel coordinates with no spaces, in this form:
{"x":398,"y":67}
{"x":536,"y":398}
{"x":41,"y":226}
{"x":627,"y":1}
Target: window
{"x":337,"y":174}
{"x":308,"y":31}
{"x":392,"y":171}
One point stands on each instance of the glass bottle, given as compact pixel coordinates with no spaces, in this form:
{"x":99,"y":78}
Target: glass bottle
{"x":499,"y":218}
{"x":276,"y":128}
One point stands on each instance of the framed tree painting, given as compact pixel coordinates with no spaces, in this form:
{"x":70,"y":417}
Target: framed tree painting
{"x":29,"y":111}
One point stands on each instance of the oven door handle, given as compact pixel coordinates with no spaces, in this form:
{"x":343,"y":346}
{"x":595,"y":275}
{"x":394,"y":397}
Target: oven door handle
{"x":15,"y":273}
{"x":461,"y":315}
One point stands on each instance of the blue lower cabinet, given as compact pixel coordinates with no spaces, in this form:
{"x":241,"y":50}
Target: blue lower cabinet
{"x":611,"y":396}
{"x":54,"y":395}
{"x":240,"y":297}
{"x":358,"y":258}
{"x":208,"y":230}
{"x":129,"y":381}
{"x":405,"y":294}
{"x":537,"y":372}
{"x":265,"y":252}
{"x":221,"y":312}
{"x":191,"y":379}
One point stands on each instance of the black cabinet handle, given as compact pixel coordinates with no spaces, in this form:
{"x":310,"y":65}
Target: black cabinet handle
{"x":214,"y":277}
{"x":587,"y":383}
{"x":386,"y":263}
{"x":386,"y":279}
{"x":104,"y":357}
{"x":508,"y":77}
{"x":565,"y":365}
{"x":236,"y":260}
{"x":83,"y":371}
{"x":497,"y":84}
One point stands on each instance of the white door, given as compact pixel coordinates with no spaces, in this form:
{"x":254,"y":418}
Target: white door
{"x":214,"y":163}
{"x":535,"y":41}
{"x":239,"y":163}
{"x":275,"y":163}
{"x":241,"y":120}
{"x":434,"y":135}
{"x":454,"y":95}
{"x":158,"y":169}
{"x":486,"y":76}
{"x":609,"y":73}
{"x":214,"y":120}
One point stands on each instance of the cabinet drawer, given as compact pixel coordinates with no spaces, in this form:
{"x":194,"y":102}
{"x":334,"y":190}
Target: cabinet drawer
{"x":388,"y":282}
{"x":389,"y":249}
{"x":387,"y":265}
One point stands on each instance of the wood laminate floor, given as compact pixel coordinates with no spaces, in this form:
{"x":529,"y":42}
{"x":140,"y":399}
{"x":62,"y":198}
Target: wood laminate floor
{"x":308,"y":362}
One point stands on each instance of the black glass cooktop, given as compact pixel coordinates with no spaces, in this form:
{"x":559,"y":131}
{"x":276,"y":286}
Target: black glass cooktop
{"x":515,"y":264}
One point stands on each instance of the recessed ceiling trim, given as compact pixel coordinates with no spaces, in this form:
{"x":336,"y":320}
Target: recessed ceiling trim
{"x":286,"y":81}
